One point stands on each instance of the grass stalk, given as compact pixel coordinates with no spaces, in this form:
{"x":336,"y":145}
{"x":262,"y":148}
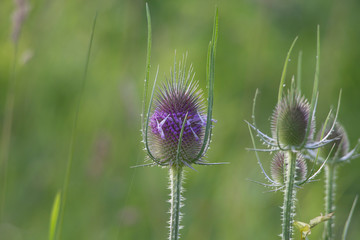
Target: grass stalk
{"x":73,"y":136}
{"x":289,"y":196}
{"x":54,"y":216}
{"x":6,"y":130}
{"x":348,"y":220}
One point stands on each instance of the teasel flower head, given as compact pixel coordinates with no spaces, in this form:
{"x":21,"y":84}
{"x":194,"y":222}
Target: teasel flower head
{"x":177,"y":131}
{"x":338,"y":150}
{"x":178,"y":115}
{"x":339,"y":147}
{"x":290,"y":121}
{"x":278,"y":165}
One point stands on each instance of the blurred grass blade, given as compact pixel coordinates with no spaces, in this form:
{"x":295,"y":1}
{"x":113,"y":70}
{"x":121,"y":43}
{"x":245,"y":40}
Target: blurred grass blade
{"x":73,"y":133}
{"x":54,"y":215}
{"x":19,"y":15}
{"x":347,"y":224}
{"x":7,"y":123}
{"x":7,"y":131}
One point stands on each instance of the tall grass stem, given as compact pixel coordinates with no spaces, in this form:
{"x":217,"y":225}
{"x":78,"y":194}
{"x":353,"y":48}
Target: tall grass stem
{"x":348,"y":220}
{"x":6,"y":130}
{"x":73,"y":135}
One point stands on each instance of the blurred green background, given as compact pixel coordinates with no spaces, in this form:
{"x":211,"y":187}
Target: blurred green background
{"x":109,"y":200}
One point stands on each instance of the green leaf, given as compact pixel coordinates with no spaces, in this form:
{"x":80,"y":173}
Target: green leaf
{"x":54,"y":215}
{"x":320,"y":219}
{"x":305,"y":228}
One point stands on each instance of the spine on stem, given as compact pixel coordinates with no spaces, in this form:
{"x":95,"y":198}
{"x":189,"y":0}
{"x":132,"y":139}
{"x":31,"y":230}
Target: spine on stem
{"x":289,"y":196}
{"x":330,"y":175}
{"x":176,"y":178}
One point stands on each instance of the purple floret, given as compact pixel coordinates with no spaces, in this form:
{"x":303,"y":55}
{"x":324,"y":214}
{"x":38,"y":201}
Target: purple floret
{"x":167,"y":125}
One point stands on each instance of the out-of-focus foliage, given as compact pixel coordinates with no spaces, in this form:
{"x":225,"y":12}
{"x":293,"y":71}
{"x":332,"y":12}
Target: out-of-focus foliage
{"x":107,"y":199}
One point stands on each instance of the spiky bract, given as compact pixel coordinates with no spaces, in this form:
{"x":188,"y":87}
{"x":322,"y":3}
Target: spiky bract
{"x":278,"y":168}
{"x":339,"y":147}
{"x":178,"y":98}
{"x":290,"y":120}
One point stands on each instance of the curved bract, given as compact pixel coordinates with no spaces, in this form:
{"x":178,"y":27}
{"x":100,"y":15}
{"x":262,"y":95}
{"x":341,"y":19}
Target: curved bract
{"x":340,"y":145}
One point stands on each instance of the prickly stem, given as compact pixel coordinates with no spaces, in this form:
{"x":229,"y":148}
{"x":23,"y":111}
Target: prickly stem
{"x":176,"y":177}
{"x":330,"y":176}
{"x":289,"y":196}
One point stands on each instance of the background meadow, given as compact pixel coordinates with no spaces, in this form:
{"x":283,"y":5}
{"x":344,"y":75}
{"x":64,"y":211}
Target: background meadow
{"x":109,"y":200}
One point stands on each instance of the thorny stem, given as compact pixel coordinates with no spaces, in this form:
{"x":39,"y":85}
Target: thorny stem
{"x":289,"y":196}
{"x":330,"y":175}
{"x":176,"y":177}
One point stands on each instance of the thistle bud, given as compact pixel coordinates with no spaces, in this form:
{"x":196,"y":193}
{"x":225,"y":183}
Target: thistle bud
{"x":339,"y":147}
{"x":178,"y":103}
{"x":278,"y":168}
{"x":290,"y":121}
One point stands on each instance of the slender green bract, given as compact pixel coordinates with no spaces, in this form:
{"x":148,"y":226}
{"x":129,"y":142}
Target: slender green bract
{"x":283,"y":75}
{"x":210,"y":75}
{"x":316,"y":82}
{"x":298,"y":76}
{"x":147,"y":71}
{"x":289,"y":196}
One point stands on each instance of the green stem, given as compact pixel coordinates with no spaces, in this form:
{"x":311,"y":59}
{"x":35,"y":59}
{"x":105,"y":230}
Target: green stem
{"x":176,"y":177}
{"x":289,"y":196}
{"x":73,"y":135}
{"x":6,"y":131}
{"x":330,"y":175}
